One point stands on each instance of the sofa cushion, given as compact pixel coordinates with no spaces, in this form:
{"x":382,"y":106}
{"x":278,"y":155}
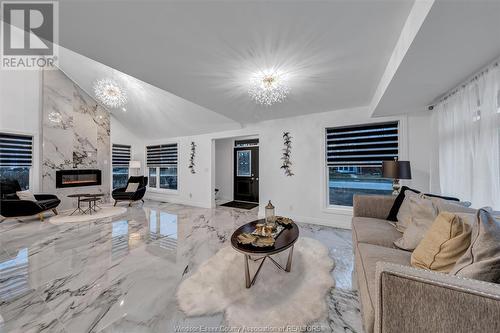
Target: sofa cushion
{"x":374,"y":231}
{"x":481,"y":260}
{"x":367,"y":256}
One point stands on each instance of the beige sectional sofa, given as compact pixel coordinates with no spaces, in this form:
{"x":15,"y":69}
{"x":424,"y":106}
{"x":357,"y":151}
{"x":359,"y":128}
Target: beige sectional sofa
{"x":395,"y":298}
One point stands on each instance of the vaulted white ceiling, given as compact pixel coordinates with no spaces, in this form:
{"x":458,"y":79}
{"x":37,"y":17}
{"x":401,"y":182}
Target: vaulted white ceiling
{"x":205,"y":51}
{"x":150,"y":112}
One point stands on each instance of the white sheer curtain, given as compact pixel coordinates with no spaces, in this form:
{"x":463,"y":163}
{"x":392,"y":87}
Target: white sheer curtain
{"x":467,"y":150}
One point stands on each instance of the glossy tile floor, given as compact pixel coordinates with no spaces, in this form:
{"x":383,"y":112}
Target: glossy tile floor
{"x":121,"y":274}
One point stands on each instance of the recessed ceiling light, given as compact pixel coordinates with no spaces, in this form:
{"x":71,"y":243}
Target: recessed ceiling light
{"x":268,"y":88}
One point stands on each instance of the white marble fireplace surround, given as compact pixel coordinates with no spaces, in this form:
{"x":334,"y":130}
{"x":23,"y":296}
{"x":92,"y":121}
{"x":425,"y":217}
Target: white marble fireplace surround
{"x":76,"y":135}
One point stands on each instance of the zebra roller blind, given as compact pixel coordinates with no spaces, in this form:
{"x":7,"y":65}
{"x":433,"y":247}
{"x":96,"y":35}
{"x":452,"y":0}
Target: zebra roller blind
{"x":161,"y":155}
{"x":15,"y":150}
{"x":362,"y":146}
{"x":121,"y":155}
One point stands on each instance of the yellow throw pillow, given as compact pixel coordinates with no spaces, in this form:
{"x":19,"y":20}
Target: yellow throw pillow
{"x":443,"y":244}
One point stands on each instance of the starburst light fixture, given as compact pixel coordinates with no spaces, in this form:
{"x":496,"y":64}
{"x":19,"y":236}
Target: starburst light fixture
{"x":268,"y":88}
{"x":110,"y":93}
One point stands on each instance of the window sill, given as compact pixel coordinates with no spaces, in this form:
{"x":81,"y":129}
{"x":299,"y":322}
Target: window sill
{"x":163,"y":190}
{"x":342,"y":210}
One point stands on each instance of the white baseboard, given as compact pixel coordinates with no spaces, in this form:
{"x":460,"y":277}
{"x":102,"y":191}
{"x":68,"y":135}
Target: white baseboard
{"x":342,"y":221}
{"x":173,"y":199}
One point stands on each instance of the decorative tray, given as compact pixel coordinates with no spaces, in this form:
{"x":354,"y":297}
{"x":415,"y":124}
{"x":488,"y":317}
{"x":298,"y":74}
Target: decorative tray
{"x":262,"y":241}
{"x":275,"y":233}
{"x":246,"y":238}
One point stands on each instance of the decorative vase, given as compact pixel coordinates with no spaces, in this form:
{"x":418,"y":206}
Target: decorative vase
{"x":270,"y":217}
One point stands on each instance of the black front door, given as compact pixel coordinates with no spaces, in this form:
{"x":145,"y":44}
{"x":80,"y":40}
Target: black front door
{"x":246,"y":174}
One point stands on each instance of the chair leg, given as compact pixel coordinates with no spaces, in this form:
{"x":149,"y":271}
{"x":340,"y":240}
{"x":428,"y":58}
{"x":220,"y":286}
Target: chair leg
{"x":54,"y":210}
{"x":40,"y":216}
{"x":130,"y":204}
{"x":115,"y":203}
{"x":142,"y":200}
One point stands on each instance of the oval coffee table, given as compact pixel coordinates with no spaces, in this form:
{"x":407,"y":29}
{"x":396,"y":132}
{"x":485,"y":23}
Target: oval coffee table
{"x":285,"y":240}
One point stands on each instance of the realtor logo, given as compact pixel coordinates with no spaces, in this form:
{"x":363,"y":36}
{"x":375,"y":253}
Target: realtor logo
{"x":29,"y":34}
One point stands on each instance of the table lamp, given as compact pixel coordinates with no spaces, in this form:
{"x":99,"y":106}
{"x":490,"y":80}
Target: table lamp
{"x":135,"y":165}
{"x":396,"y":170}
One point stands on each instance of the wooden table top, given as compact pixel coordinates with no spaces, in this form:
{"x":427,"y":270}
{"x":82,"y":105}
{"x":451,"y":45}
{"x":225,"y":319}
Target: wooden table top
{"x":285,"y":239}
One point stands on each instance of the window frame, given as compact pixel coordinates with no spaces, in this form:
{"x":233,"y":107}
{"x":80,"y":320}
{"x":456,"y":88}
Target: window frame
{"x":324,"y":176}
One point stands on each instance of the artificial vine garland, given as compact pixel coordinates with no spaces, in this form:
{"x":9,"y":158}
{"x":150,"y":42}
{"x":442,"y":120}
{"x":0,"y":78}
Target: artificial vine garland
{"x":287,"y":142}
{"x":191,"y":158}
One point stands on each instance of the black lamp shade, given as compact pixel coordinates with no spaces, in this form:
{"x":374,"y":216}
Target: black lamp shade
{"x":396,"y":169}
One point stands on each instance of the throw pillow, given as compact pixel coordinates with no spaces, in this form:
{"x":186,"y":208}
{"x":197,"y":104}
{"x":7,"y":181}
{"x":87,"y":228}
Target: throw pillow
{"x":132,"y":187}
{"x":26,"y":195}
{"x":423,"y":213}
{"x":443,"y":244}
{"x":481,"y":261}
{"x":452,"y":206}
{"x":404,"y":214}
{"x":393,"y":214}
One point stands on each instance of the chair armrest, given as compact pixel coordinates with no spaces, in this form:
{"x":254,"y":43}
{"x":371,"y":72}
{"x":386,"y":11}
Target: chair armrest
{"x":119,"y":190}
{"x":45,"y":196}
{"x":416,"y":300}
{"x":376,"y":206}
{"x":139,"y":193}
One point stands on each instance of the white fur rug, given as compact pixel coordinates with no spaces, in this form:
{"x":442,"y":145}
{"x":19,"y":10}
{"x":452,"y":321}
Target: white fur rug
{"x":77,"y":217}
{"x":276,"y":299}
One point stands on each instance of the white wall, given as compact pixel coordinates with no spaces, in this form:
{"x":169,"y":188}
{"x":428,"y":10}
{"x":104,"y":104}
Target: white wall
{"x":224,"y":168}
{"x":303,"y":196}
{"x":20,"y":111}
{"x":121,"y":135}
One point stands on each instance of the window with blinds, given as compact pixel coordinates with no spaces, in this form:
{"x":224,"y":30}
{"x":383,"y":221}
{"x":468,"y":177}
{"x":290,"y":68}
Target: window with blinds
{"x":121,"y":155}
{"x":120,"y":160}
{"x":15,"y":150}
{"x":161,"y":155}
{"x":161,"y":161}
{"x":354,"y":156}
{"x":16,"y":158}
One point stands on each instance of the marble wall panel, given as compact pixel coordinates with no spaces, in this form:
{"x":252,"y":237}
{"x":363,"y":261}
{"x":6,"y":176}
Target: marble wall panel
{"x":76,"y":135}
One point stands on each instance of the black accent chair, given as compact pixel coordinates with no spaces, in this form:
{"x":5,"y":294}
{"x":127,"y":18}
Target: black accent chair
{"x":119,"y":194}
{"x":12,"y":206}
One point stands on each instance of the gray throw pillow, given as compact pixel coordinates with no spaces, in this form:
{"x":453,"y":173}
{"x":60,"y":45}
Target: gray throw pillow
{"x":404,"y":213}
{"x":481,"y":261}
{"x":452,"y":206}
{"x":423,"y":213}
{"x":26,"y":195}
{"x":132,"y":187}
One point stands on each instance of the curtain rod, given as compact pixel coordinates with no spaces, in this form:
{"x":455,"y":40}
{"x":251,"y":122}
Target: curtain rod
{"x":464,"y":84}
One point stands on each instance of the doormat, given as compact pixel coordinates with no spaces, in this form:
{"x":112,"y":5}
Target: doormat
{"x":240,"y":204}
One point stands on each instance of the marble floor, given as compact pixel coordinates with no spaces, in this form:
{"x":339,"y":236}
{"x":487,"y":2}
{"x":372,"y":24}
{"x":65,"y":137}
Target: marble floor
{"x":121,"y":274}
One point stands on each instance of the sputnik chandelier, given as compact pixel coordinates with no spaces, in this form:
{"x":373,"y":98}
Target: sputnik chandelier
{"x":110,"y":93}
{"x":268,"y":88}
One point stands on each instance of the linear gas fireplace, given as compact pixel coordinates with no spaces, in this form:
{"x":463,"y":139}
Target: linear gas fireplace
{"x":78,"y":177}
